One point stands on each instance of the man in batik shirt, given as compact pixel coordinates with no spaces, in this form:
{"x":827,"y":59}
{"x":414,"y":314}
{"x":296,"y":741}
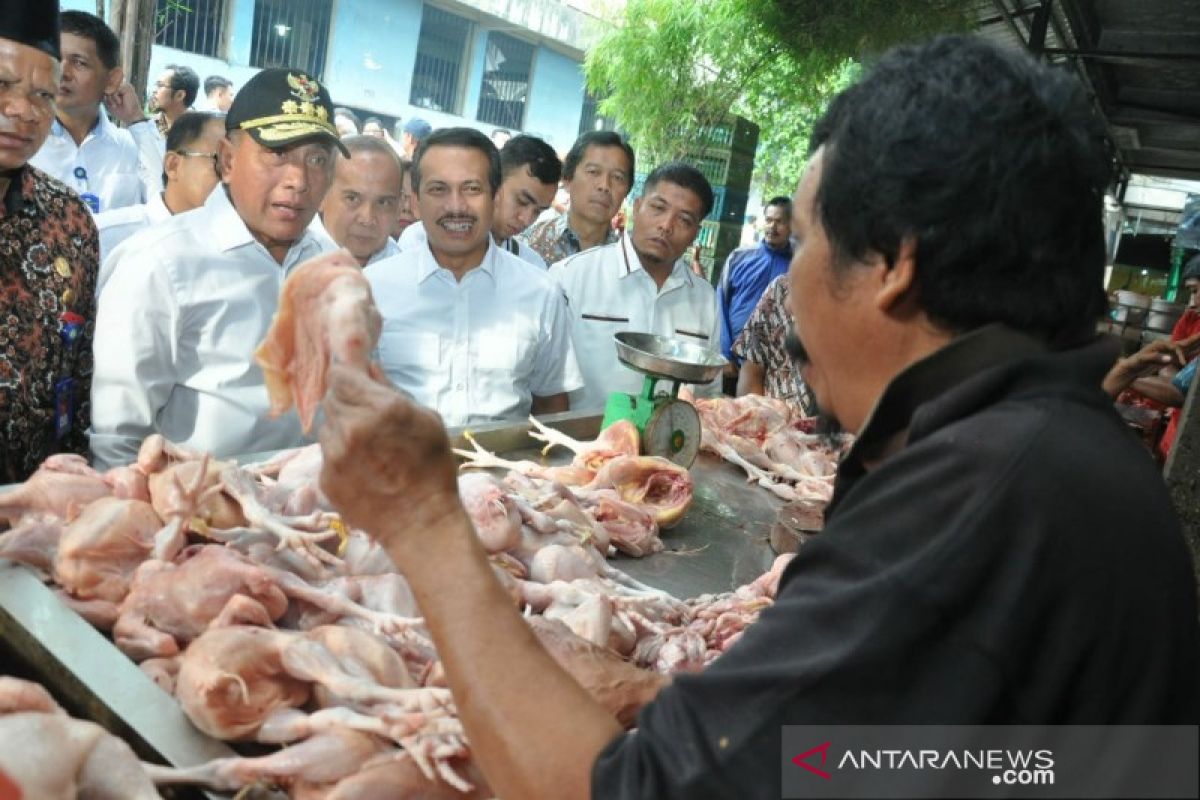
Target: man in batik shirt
{"x":768,"y":368}
{"x":48,"y":260}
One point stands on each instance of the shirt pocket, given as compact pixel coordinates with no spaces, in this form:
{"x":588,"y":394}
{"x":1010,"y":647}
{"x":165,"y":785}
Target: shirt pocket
{"x":403,"y":350}
{"x":505,"y":353}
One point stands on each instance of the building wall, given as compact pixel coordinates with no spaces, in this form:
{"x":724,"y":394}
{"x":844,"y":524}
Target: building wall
{"x":369,"y":63}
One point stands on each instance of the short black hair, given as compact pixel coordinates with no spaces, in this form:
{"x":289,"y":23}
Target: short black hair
{"x":214,"y":82}
{"x":525,"y":150}
{"x":994,"y":164}
{"x":596,"y":139}
{"x":458,"y":137}
{"x":185,"y":79}
{"x":89,"y":26}
{"x":187,"y":129}
{"x":780,"y":201}
{"x":348,"y":114}
{"x":684,"y":175}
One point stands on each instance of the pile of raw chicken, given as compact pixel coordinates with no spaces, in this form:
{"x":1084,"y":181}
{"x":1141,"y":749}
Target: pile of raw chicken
{"x":238,"y":590}
{"x":776,"y":448}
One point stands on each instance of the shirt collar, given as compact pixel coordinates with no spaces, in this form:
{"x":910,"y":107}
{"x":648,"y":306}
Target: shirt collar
{"x":229,"y":231}
{"x":629,"y":264}
{"x":156,"y":208}
{"x":101,"y":130}
{"x":427,"y":265}
{"x":784,"y":252}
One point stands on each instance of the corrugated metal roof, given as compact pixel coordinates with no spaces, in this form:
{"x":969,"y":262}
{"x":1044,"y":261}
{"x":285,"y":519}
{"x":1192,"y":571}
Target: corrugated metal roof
{"x":1140,"y":60}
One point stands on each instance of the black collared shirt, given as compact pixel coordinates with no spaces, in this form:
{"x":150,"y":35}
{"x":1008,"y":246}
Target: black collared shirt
{"x":1016,"y":561}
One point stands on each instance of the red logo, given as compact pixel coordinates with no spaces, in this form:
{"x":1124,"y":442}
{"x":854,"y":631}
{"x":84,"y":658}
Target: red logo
{"x":823,"y":749}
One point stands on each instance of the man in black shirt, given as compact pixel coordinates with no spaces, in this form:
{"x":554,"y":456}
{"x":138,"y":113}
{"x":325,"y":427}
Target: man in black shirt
{"x":999,"y":549}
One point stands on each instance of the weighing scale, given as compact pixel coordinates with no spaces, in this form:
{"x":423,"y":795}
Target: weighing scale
{"x":669,"y":427}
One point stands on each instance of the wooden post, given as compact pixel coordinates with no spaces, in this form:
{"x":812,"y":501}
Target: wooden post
{"x":1182,"y":474}
{"x":133,"y":22}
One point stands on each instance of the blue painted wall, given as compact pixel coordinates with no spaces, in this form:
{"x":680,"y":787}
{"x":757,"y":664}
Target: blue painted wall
{"x":369,"y":63}
{"x":555,"y":99}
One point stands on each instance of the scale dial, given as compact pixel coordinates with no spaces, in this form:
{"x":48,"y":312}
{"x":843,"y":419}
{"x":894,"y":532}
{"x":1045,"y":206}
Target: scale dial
{"x":673,"y":432}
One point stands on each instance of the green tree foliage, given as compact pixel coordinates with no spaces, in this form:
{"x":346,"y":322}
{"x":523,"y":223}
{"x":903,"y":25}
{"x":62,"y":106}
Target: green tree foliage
{"x":670,"y":69}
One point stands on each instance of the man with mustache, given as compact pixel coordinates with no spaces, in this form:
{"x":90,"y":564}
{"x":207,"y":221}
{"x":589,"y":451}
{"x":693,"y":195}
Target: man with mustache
{"x":360,"y":210}
{"x":189,"y":299}
{"x":48,"y":259}
{"x":529,"y":173}
{"x":641,"y":283}
{"x":598,"y":174}
{"x":469,"y":329}
{"x":999,"y":551}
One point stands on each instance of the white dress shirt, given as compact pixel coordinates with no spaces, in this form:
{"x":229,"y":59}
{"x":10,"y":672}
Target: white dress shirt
{"x":476,"y":350}
{"x":186,"y":305}
{"x":123,"y":165}
{"x":389,"y":249}
{"x":609,"y":292}
{"x":118,"y":224}
{"x":414,"y":236}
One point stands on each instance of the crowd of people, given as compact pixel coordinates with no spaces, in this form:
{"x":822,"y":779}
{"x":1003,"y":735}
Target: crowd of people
{"x":497,"y":302}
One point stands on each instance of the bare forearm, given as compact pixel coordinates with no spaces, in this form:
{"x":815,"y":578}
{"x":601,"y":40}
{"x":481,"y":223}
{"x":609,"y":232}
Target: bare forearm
{"x":750,"y":379}
{"x":1160,"y":390}
{"x":533,"y":730}
{"x":551,"y":404}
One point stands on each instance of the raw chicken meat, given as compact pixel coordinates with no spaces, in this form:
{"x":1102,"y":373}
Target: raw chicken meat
{"x":62,"y":486}
{"x":401,"y":777}
{"x":493,"y":513}
{"x":231,"y":679}
{"x":619,"y":439}
{"x":325,"y":312}
{"x":33,"y":541}
{"x":47,"y":755}
{"x":100,"y":550}
{"x":170,"y":603}
{"x":775,"y":448}
{"x":660,"y":487}
{"x":323,"y":759}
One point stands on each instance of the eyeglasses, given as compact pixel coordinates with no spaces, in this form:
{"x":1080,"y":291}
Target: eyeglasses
{"x":195,"y":154}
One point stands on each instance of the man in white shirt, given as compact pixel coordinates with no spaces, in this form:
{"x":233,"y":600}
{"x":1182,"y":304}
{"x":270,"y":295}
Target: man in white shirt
{"x":189,"y":176}
{"x":218,"y":94}
{"x":189,"y":300}
{"x":360,"y":209}
{"x":639,"y":283}
{"x":468,"y":329}
{"x":529,"y":174}
{"x":109,"y":167}
{"x":174,"y":92}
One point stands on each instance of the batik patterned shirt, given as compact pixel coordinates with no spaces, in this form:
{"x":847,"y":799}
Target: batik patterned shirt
{"x":49,"y":254}
{"x":762,"y":341}
{"x":554,"y":240}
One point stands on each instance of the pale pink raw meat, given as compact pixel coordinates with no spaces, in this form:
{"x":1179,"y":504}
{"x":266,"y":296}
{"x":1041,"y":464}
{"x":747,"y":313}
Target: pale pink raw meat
{"x":326,"y":313}
{"x":62,"y":486}
{"x":100,"y":550}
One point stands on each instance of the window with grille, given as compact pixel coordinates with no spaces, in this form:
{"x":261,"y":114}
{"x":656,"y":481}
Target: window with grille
{"x":197,"y":26}
{"x":507,"y":65}
{"x":441,"y":61}
{"x":291,"y":33}
{"x":590,"y":119}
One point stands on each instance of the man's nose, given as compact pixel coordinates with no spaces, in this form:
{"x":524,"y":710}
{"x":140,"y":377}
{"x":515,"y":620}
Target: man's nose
{"x":295,"y":176}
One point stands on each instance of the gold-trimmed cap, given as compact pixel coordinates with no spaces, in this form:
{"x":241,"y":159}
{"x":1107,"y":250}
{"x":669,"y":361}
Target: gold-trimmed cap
{"x":281,"y":106}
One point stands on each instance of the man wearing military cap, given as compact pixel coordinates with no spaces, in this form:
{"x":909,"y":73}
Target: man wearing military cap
{"x":189,"y":300}
{"x":48,"y":259}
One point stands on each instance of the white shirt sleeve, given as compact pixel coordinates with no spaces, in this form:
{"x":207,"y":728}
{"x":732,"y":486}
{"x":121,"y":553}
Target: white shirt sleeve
{"x":152,"y":149}
{"x":137,"y":326}
{"x":715,"y":388}
{"x":555,"y":368}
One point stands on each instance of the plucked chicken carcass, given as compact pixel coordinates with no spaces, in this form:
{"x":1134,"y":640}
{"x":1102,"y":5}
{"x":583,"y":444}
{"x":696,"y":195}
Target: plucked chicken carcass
{"x":170,"y":603}
{"x":48,"y":755}
{"x":325,"y":312}
{"x":63,"y":485}
{"x":99,"y":552}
